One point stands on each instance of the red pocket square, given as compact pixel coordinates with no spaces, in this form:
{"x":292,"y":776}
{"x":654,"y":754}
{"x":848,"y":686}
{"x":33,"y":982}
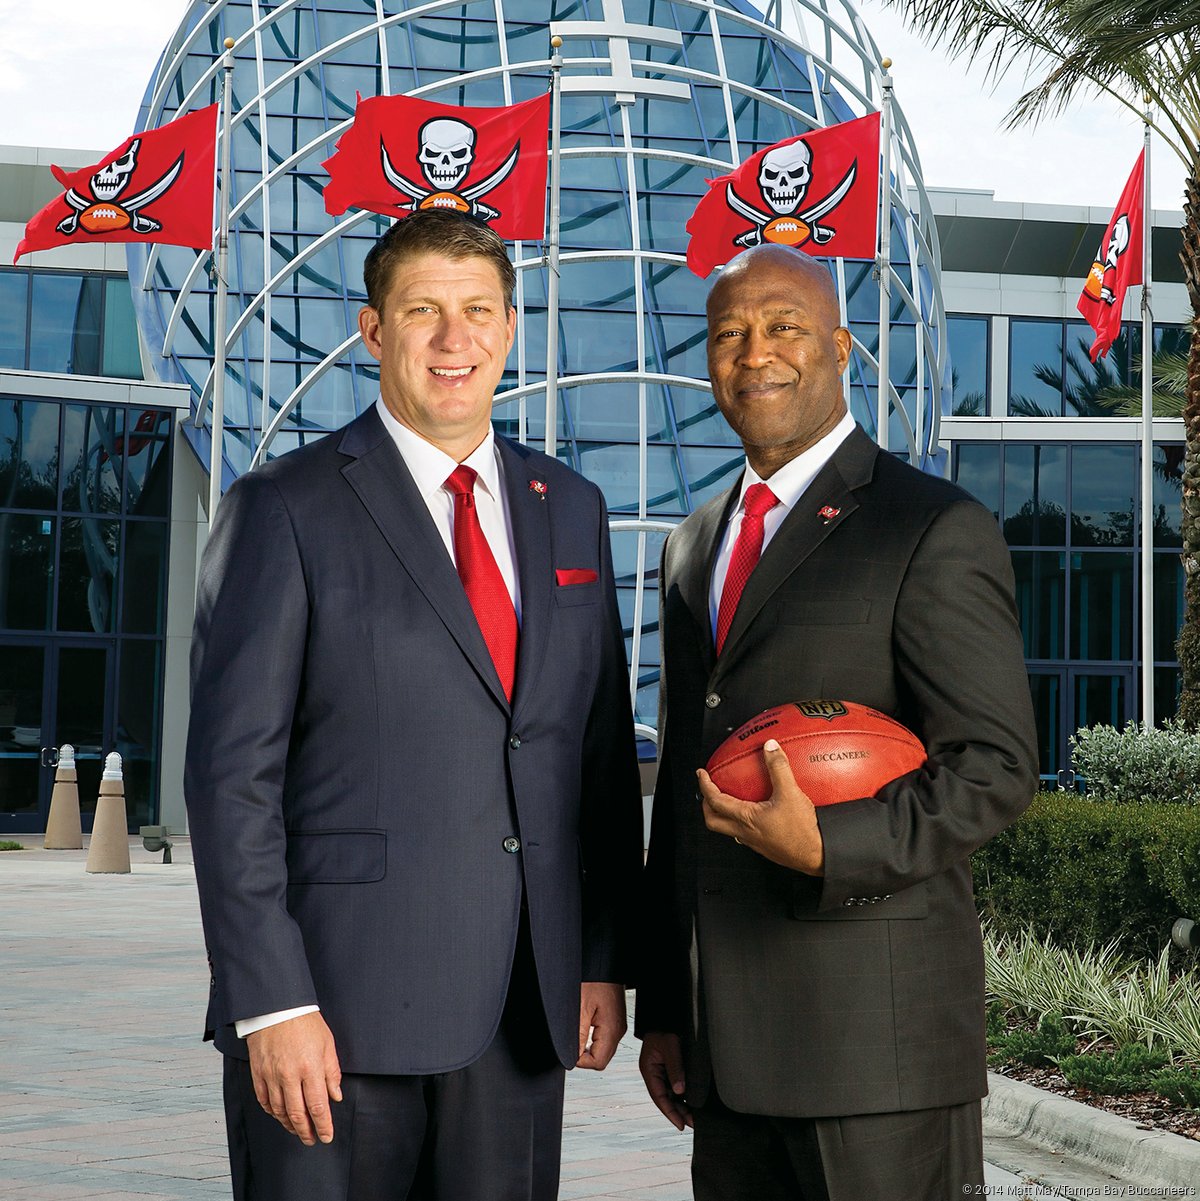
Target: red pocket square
{"x":575,"y":575}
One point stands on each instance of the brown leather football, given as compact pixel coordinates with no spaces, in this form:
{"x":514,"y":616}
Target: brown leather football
{"x":839,"y":751}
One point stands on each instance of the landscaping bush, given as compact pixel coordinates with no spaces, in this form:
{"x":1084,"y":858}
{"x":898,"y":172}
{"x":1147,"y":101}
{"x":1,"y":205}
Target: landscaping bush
{"x":1034,"y":1048}
{"x":1160,"y":765}
{"x":1180,"y":1085}
{"x":1087,"y":873}
{"x":1129,"y":1069}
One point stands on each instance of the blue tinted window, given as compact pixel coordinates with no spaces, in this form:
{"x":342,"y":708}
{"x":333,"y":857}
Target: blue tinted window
{"x":121,"y":356}
{"x":14,"y":311}
{"x":977,"y":469}
{"x":1101,"y":605}
{"x":65,"y":313}
{"x":1103,"y":484}
{"x":1035,"y":495}
{"x":1035,"y":368}
{"x":968,"y":338}
{"x":1041,"y":586}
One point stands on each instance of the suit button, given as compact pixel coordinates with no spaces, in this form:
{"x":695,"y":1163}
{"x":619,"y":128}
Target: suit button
{"x":512,"y":845}
{"x":712,"y":700}
{"x":515,"y":742}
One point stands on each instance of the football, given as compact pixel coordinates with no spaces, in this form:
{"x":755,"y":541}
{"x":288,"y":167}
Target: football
{"x":445,"y":200}
{"x":104,"y":218}
{"x":788,"y":231}
{"x":839,"y":751}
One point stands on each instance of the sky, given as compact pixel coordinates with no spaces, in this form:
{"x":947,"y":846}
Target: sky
{"x":71,"y":77}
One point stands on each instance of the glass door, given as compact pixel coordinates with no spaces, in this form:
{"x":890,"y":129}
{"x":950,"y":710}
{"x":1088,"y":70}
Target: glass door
{"x":24,"y":717}
{"x":82,"y":679}
{"x":52,"y":691}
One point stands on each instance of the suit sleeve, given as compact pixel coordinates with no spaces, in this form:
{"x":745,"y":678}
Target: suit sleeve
{"x":663,"y":978}
{"x":611,"y":799}
{"x":960,"y":662}
{"x":247,"y":658}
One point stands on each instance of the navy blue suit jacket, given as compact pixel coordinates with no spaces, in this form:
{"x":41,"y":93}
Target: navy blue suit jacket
{"x":354,"y":769}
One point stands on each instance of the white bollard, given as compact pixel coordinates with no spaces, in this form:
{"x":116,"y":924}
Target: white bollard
{"x":109,"y":848}
{"x":63,"y":829}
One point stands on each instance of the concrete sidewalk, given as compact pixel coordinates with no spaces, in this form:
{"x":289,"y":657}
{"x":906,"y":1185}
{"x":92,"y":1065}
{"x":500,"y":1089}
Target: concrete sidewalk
{"x":106,"y":1090}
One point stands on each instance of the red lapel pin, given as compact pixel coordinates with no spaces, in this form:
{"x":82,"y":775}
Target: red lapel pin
{"x":539,"y":487}
{"x":828,"y":512}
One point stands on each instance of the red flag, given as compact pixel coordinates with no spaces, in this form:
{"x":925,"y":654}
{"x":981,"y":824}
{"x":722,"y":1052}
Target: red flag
{"x":1118,"y":264}
{"x":818,"y":192}
{"x":157,"y":186}
{"x":403,"y":154}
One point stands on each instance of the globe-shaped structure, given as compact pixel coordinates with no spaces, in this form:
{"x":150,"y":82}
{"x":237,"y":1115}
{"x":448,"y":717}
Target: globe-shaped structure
{"x":634,"y":410}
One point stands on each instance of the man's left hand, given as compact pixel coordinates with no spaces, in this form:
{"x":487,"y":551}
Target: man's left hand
{"x":602,"y":1016}
{"x":783,"y":828}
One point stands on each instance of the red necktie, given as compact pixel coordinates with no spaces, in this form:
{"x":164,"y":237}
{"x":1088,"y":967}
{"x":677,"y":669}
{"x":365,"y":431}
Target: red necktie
{"x":759,"y":500}
{"x":482,"y":581}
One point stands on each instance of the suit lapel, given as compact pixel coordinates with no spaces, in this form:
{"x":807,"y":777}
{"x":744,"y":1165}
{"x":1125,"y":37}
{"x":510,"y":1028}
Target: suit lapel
{"x":702,"y":537}
{"x":804,"y":528}
{"x":529,"y":513}
{"x":378,"y":475}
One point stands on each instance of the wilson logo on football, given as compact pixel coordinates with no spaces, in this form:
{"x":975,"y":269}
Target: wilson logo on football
{"x":825,"y":710}
{"x":109,"y":209}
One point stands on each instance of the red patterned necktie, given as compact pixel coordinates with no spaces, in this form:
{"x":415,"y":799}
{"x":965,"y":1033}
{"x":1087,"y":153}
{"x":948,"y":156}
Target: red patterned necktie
{"x":481,"y":578}
{"x":759,"y":500}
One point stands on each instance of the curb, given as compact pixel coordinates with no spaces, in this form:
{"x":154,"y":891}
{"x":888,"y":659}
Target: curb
{"x":1114,"y":1144}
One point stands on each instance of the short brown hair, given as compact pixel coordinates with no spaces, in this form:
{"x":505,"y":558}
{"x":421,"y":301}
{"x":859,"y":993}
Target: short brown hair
{"x":434,"y":231}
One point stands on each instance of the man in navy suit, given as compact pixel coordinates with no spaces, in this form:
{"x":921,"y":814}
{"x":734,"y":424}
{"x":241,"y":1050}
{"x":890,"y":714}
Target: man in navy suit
{"x":411,"y":779}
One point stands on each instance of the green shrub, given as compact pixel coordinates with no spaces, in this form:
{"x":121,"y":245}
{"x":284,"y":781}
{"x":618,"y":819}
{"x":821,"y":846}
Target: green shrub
{"x":1159,"y":765}
{"x":7,"y":845}
{"x":1086,"y":873}
{"x":1034,"y":1048}
{"x":1180,"y":1085}
{"x":1129,"y":1069}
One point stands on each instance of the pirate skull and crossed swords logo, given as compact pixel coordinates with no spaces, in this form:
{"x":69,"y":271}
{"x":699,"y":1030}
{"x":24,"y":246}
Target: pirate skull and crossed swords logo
{"x":784,"y":178}
{"x":102,"y":213}
{"x":1102,"y":275}
{"x":446,"y":153}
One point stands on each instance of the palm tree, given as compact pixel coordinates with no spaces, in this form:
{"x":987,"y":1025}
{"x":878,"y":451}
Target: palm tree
{"x":1128,"y":51}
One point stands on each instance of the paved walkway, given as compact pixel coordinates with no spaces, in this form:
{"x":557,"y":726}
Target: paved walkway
{"x":107,"y":1092}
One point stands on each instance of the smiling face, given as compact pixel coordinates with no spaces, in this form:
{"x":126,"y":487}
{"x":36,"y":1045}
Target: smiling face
{"x":441,"y":338}
{"x":776,"y":353}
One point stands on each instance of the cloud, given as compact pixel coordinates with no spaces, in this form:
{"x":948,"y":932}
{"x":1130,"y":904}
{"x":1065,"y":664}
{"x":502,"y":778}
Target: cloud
{"x":72,"y":77}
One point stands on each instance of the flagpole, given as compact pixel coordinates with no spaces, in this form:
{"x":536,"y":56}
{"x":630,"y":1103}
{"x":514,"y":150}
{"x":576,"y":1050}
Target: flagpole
{"x":1147,"y":438}
{"x":884,"y":270}
{"x":217,"y":413}
{"x":552,"y":248}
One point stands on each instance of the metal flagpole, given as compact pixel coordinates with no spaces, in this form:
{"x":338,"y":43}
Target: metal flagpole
{"x":884,"y":270}
{"x":217,"y":414}
{"x":552,"y":247}
{"x":1147,"y":440}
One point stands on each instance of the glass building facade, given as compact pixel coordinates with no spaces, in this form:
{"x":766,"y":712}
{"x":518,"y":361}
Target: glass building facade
{"x":634,"y":410}
{"x":1070,"y":512}
{"x":85,"y":488}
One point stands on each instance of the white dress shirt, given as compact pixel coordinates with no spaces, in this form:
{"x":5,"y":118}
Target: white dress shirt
{"x":788,"y":484}
{"x":430,"y":468}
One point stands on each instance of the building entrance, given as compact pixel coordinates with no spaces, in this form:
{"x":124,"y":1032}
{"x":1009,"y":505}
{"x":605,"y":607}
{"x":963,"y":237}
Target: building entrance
{"x":55,"y":691}
{"x":1066,"y":698}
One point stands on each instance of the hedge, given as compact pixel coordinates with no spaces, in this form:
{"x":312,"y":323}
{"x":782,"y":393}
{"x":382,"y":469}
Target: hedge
{"x":1085,"y":872}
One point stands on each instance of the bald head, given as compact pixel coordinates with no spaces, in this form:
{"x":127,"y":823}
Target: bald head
{"x":776,"y":353}
{"x":810,"y":278}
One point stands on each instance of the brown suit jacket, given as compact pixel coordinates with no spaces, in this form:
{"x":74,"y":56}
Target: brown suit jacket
{"x":861,"y":992}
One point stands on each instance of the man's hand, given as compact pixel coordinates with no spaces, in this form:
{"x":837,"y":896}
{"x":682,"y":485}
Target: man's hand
{"x":782,"y":828}
{"x":661,"y":1065}
{"x":296,"y":1074}
{"x":602,"y":1016}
